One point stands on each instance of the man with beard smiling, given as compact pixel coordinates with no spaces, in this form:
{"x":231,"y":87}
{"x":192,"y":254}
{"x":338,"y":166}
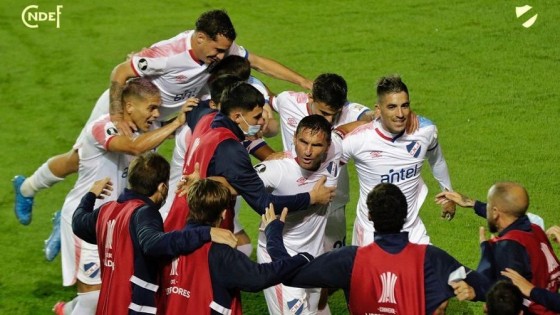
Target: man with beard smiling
{"x":520,"y":245}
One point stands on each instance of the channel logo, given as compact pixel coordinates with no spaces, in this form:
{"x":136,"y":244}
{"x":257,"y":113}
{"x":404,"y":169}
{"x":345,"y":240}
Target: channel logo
{"x":31,"y":16}
{"x":520,"y":11}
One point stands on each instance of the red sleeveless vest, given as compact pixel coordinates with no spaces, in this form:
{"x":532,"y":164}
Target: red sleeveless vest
{"x":188,"y":287}
{"x":544,"y":264}
{"x":116,"y":253}
{"x":203,"y":144}
{"x":384,"y":283}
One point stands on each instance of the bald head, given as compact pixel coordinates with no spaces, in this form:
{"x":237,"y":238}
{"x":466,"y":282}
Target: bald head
{"x":510,"y":197}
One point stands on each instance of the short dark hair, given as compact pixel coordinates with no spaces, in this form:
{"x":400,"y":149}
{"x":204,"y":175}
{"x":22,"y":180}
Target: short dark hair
{"x":504,"y":298}
{"x":242,"y":96}
{"x":214,"y":23}
{"x":316,"y":123}
{"x":234,"y":65}
{"x":220,"y":84}
{"x":146,"y":172}
{"x":387,"y":208}
{"x":330,"y":89}
{"x":139,"y":87}
{"x":207,"y":199}
{"x":390,"y":84}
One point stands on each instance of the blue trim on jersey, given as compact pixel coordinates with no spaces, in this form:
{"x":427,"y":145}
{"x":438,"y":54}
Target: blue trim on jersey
{"x":437,"y":144}
{"x":424,"y":122}
{"x":365,"y":111}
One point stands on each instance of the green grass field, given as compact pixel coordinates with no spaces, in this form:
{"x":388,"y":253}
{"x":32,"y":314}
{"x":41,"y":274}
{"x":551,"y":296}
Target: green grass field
{"x":487,"y":82}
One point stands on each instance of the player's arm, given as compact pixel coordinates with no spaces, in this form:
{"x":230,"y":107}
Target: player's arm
{"x":148,"y":227}
{"x":148,"y":140}
{"x":276,"y":70}
{"x":236,"y":271}
{"x":84,"y":219}
{"x":120,"y":74}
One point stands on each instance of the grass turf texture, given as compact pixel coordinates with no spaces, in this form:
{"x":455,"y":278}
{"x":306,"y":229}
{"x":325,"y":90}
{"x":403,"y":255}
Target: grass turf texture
{"x":487,"y":82}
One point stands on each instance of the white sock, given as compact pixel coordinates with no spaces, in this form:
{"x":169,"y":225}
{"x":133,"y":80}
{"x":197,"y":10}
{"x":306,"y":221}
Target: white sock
{"x":41,"y":179}
{"x":87,"y":303}
{"x":69,"y":306}
{"x":246,"y":249}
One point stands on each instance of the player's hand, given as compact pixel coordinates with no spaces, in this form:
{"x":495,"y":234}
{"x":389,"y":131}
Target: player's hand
{"x":412,"y":123}
{"x":448,"y":210}
{"x":187,"y":179}
{"x":307,"y":84}
{"x":102,"y":188}
{"x":482,"y":235}
{"x":453,"y":196}
{"x":321,"y":194}
{"x":523,"y":284}
{"x":554,"y":232}
{"x":463,"y":291}
{"x":270,"y":215}
{"x":125,"y":128}
{"x":223,"y":236}
{"x":190,"y":103}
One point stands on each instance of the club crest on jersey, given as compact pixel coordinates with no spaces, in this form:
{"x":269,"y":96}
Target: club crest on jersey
{"x":91,"y":269}
{"x":296,"y":306}
{"x":414,"y":148}
{"x":301,"y":181}
{"x":292,"y":122}
{"x":260,"y":168}
{"x":142,"y":64}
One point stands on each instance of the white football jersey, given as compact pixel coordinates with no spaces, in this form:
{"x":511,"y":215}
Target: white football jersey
{"x":96,"y":163}
{"x":292,"y":108}
{"x":382,"y":157}
{"x":175,"y":70}
{"x":303,"y":230}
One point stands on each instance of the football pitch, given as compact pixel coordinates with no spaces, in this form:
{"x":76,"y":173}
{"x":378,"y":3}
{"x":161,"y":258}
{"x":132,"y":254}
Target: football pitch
{"x":489,"y":84}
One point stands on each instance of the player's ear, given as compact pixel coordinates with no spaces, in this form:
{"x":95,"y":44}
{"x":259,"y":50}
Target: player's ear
{"x":129,"y":107}
{"x":223,"y":215}
{"x":200,"y":37}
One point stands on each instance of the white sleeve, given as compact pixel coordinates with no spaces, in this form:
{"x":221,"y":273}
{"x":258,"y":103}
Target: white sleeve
{"x":346,"y":150}
{"x":237,"y":50}
{"x":145,"y":66}
{"x":438,"y":164}
{"x":354,"y":111}
{"x":270,"y":173}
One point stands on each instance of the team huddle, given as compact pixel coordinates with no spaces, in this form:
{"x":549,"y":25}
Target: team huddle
{"x":141,"y":235}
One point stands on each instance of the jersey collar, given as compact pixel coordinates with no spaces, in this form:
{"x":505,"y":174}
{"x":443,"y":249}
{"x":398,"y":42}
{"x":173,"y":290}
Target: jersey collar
{"x":386,"y":134}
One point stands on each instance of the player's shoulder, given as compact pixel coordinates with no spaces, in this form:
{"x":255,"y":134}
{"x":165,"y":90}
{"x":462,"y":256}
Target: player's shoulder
{"x":353,"y":129}
{"x":424,"y":122}
{"x":297,"y":97}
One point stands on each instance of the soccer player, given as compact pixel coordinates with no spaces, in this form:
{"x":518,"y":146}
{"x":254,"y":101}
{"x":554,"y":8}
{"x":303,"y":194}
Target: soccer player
{"x":384,"y":153}
{"x":217,"y":148}
{"x":106,"y":153}
{"x":328,"y":98}
{"x":317,"y":154}
{"x":391,"y":275}
{"x":178,"y":67}
{"x":130,"y":236}
{"x":519,"y":245}
{"x":208,"y":281}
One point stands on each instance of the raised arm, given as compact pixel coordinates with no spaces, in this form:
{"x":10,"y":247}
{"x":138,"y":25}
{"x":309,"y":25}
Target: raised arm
{"x":276,"y":70}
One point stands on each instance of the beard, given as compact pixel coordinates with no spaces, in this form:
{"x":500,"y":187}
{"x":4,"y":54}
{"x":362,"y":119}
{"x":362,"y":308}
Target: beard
{"x":492,"y":227}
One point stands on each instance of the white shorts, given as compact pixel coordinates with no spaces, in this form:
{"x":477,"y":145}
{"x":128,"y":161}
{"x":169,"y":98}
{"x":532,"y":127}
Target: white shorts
{"x":80,"y":259}
{"x":363,"y":235}
{"x":285,"y":300}
{"x":335,"y":230}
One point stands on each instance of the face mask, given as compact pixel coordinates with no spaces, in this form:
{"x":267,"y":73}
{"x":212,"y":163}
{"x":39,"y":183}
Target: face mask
{"x":252,"y":129}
